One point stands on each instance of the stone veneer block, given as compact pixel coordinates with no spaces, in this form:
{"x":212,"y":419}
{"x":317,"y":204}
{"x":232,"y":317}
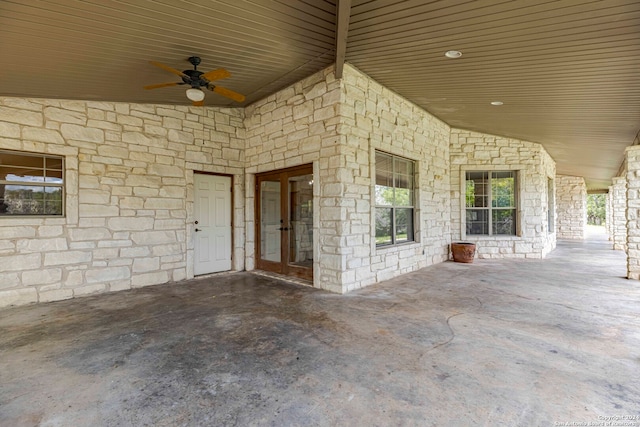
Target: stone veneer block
{"x":571,"y":206}
{"x":619,"y":213}
{"x":632,"y":226}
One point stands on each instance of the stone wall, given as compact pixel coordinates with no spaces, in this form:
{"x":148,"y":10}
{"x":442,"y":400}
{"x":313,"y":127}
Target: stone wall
{"x":481,"y":152}
{"x":571,"y":200}
{"x":129,"y":185}
{"x":619,"y":214}
{"x":632,"y":169}
{"x":374,"y":118}
{"x":296,"y":126}
{"x":129,"y":194}
{"x":337,"y":126}
{"x":608,"y":209}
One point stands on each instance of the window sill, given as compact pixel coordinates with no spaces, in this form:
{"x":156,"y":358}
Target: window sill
{"x":33,"y":219}
{"x":480,"y":237}
{"x":404,"y":245}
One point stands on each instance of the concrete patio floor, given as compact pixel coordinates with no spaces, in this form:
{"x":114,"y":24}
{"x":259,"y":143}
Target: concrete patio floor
{"x":514,"y":343}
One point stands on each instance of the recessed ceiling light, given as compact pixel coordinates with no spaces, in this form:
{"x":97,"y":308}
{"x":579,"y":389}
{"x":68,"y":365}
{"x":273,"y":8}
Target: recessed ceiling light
{"x":497,"y":103}
{"x":453,"y":54}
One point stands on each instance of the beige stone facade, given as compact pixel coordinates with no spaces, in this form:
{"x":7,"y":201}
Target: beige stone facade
{"x":618,"y":213}
{"x":129,"y":185}
{"x":129,"y":194}
{"x":632,"y":168}
{"x":472,"y":151}
{"x":571,"y":200}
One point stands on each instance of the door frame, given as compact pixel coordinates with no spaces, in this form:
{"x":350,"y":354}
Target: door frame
{"x":282,"y":267}
{"x":193,"y":226}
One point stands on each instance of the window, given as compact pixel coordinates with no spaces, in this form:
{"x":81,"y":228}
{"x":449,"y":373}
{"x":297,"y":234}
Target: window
{"x":491,"y":203}
{"x":551,"y":207}
{"x":394,"y":199}
{"x":31,"y":184}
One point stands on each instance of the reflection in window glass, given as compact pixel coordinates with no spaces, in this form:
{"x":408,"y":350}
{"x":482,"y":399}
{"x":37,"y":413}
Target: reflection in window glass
{"x":394,"y":199}
{"x":383,"y":226}
{"x":490,"y":199}
{"x":31,"y":184}
{"x":404,"y":225}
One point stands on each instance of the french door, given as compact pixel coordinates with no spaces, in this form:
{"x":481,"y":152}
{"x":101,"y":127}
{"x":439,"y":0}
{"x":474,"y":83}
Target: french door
{"x":284,"y":221}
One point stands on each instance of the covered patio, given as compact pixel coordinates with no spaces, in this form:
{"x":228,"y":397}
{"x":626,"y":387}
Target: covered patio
{"x":496,"y":342}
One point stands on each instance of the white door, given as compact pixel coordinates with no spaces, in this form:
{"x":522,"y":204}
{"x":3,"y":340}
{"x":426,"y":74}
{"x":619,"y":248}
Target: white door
{"x":212,"y":224}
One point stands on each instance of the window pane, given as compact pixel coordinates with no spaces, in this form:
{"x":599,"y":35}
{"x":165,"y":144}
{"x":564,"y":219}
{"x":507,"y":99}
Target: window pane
{"x":23,"y":200}
{"x":53,"y":163}
{"x":53,"y":207}
{"x":503,"y":189}
{"x":17,"y":159}
{"x":477,"y":221}
{"x":384,"y":180}
{"x":53,"y":176}
{"x":403,"y":197}
{"x":476,"y":191}
{"x":394,"y":188}
{"x":504,"y":221}
{"x":384,"y":163}
{"x":403,"y":166}
{"x":21,"y":174}
{"x":384,"y":196}
{"x":383,"y":226}
{"x":23,"y":193}
{"x":404,"y":181}
{"x":404,"y":225}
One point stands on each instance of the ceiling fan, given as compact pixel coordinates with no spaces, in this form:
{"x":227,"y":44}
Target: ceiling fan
{"x":197,"y":80}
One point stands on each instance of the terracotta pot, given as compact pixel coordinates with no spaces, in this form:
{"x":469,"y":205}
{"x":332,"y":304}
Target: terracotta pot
{"x":463,"y":252}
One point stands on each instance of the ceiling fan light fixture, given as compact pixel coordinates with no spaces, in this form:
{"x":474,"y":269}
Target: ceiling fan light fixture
{"x":453,"y":54}
{"x":195,"y":95}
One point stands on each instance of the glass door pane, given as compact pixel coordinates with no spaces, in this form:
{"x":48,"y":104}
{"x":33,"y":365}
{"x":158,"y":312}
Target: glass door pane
{"x":301,"y":221}
{"x":270,"y":224}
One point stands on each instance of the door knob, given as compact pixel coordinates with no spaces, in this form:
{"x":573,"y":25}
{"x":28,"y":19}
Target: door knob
{"x":283,"y":229}
{"x":197,"y":229}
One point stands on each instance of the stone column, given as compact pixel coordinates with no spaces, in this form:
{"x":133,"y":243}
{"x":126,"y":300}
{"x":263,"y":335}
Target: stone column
{"x":618,"y":214}
{"x":571,"y":207}
{"x":632,"y":163}
{"x":609,"y":209}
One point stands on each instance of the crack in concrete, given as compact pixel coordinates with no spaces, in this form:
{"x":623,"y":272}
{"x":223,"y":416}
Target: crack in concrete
{"x":453,"y":334}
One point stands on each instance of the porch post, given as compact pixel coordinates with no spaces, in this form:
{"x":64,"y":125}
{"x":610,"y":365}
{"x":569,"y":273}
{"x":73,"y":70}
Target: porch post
{"x":618,"y":214}
{"x":571,"y":206}
{"x":632,"y":163}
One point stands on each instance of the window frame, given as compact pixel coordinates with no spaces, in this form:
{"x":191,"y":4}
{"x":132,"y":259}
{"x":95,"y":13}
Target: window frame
{"x":411,"y":237}
{"x":26,"y":183}
{"x":489,"y":203}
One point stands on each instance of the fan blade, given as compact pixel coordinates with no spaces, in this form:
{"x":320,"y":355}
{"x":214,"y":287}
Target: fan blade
{"x":220,"y":73}
{"x":227,"y":92}
{"x":162,"y":85}
{"x":198,"y":103}
{"x":169,"y":69}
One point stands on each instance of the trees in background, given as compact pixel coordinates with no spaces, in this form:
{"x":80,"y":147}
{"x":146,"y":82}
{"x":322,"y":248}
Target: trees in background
{"x":596,"y":209}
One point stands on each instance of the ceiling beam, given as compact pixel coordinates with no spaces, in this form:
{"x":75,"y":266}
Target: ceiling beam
{"x":343,"y":13}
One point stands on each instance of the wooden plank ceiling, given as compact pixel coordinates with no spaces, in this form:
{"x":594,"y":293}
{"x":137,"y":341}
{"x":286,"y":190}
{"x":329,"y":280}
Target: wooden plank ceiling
{"x":566,"y":71}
